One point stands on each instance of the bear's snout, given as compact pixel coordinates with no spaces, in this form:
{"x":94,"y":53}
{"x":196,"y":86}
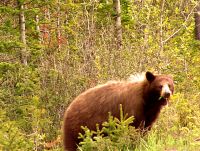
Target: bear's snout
{"x":166,"y":92}
{"x":167,"y":95}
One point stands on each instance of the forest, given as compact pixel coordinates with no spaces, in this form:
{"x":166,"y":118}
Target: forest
{"x":52,"y":50}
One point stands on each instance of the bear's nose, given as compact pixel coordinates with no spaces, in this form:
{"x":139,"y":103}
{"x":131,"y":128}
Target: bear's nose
{"x":167,"y":94}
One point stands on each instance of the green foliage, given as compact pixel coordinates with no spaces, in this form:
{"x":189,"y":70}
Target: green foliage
{"x":116,"y":134}
{"x":9,"y":47}
{"x":33,"y":98}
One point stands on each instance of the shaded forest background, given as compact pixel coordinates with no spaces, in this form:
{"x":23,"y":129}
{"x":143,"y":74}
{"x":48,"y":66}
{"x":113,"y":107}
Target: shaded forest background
{"x":52,"y":50}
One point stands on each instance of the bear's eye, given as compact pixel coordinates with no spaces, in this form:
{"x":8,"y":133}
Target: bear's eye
{"x":160,"y":86}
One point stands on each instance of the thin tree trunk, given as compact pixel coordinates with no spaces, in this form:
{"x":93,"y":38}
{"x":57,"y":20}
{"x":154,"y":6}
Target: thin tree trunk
{"x":197,"y":22}
{"x":58,"y":26}
{"x":161,"y":26}
{"x":38,"y":28}
{"x":45,"y":28}
{"x":23,"y":52}
{"x":118,"y":26}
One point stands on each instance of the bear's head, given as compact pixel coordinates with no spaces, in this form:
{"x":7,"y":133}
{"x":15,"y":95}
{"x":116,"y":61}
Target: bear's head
{"x":160,"y":88}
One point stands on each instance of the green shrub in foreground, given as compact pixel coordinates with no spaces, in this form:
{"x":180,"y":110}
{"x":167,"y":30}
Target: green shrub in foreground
{"x":166,"y":135}
{"x":115,"y":135}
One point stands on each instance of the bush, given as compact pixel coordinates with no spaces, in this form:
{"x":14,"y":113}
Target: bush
{"x":116,"y":134}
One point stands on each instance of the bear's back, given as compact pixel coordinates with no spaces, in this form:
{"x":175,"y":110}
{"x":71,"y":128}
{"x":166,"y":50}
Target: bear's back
{"x":105,"y":97}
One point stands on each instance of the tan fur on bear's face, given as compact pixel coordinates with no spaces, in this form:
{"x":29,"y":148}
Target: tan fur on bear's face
{"x":142,"y":99}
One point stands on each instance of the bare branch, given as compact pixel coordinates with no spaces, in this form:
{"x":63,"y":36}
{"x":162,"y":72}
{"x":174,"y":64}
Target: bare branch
{"x":182,"y":26}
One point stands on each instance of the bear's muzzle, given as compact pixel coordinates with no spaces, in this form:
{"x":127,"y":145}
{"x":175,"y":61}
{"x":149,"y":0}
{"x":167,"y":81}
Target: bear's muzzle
{"x":166,"y":92}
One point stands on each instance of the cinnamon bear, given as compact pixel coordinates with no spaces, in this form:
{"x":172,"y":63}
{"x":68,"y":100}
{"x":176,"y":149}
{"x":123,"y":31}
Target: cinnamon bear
{"x":142,"y":99}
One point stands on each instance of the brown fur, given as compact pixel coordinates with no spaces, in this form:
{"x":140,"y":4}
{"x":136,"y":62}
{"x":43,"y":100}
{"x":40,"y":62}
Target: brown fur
{"x":137,"y":98}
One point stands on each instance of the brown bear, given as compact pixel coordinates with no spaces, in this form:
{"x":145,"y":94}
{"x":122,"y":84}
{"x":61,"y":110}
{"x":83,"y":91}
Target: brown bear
{"x":142,"y":99}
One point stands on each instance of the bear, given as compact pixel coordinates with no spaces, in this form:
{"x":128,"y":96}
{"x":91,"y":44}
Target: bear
{"x":142,"y":99}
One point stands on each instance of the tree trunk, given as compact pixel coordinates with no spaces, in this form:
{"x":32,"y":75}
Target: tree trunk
{"x":197,"y":22}
{"x":23,"y":52}
{"x":46,"y":35}
{"x":58,"y":26}
{"x":118,"y":26}
{"x":38,"y":28}
{"x":161,"y":27}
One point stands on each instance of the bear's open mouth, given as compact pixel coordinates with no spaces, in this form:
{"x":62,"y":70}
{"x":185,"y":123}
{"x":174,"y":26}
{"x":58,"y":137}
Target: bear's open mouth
{"x":163,"y":100}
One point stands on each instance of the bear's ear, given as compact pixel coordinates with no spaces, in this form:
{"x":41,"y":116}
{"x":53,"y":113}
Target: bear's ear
{"x":150,"y":77}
